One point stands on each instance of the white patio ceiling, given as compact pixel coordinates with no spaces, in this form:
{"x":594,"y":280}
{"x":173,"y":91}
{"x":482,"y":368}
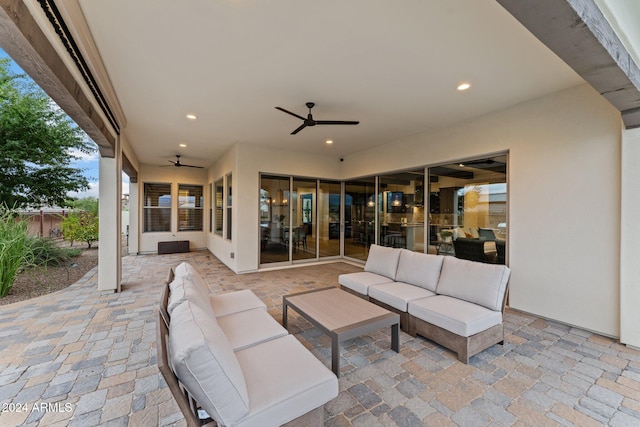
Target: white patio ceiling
{"x":392,"y":65}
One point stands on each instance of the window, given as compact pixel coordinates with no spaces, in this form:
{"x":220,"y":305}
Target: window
{"x":157,"y":207}
{"x":211,"y":199}
{"x":218,"y":199}
{"x":190,"y":203}
{"x":229,"y":206}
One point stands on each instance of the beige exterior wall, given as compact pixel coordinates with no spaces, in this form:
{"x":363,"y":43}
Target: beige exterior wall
{"x":630,"y":243}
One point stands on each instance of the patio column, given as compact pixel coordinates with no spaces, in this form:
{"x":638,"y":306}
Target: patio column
{"x":110,"y":236}
{"x":630,"y":240}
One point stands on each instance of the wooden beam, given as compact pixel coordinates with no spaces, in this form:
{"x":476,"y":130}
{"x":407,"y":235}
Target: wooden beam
{"x":578,"y":32}
{"x":24,"y":41}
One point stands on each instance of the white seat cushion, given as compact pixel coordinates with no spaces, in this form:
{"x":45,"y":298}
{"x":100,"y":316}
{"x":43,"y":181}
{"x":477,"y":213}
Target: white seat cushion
{"x":284,"y":381}
{"x":383,"y":261}
{"x":460,"y":317}
{"x":206,"y":365}
{"x":250,"y":327}
{"x":234,"y":302}
{"x":476,"y":282}
{"x":183,"y":288}
{"x":419,"y":269}
{"x":361,"y":281}
{"x":398,"y":294}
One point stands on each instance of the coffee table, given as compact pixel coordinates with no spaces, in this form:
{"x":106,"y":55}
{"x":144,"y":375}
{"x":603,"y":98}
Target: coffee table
{"x":341,"y":316}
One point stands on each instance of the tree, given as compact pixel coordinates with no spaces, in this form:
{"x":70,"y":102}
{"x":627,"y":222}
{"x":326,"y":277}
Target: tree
{"x":82,"y":224}
{"x":37,"y":142}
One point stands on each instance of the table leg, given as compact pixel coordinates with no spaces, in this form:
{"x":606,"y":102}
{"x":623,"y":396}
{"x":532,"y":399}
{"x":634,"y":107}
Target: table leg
{"x":284,"y":314}
{"x":335,"y":356}
{"x":395,"y":337}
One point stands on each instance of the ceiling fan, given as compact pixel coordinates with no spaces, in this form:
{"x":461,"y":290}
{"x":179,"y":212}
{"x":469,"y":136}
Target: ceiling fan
{"x":178,"y":164}
{"x":309,"y":121}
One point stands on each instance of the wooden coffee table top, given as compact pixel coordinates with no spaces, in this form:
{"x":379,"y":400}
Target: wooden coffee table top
{"x":342,"y":316}
{"x":336,"y":309}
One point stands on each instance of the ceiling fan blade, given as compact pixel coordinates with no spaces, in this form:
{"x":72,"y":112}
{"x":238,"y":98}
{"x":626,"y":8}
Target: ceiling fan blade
{"x":191,"y":166}
{"x":336,"y":122}
{"x":289,"y":112}
{"x":302,"y":126}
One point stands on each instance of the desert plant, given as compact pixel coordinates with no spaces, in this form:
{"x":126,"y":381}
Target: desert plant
{"x":15,"y":252}
{"x":47,"y":252}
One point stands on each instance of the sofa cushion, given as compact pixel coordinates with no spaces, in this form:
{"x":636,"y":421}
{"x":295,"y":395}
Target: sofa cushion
{"x":477,"y":282}
{"x":398,"y":294}
{"x":234,"y":302}
{"x":361,"y":281}
{"x":250,"y":327}
{"x":419,"y":269}
{"x":205,"y":363}
{"x":186,"y":269}
{"x":460,"y":317}
{"x":382,"y":261}
{"x":183,"y":288}
{"x":284,"y":381}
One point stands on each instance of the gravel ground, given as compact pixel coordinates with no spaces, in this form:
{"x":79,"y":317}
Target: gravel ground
{"x":34,"y":282}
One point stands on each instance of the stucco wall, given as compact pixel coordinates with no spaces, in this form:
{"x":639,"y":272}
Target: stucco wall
{"x":630,"y":243}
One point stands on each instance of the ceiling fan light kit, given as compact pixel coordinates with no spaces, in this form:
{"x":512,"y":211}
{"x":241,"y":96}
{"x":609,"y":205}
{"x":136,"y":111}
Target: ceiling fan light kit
{"x":309,"y":121}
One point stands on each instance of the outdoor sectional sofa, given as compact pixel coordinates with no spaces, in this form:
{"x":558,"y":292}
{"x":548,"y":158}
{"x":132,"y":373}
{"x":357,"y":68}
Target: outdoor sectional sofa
{"x":225,"y":357}
{"x":456,"y":303}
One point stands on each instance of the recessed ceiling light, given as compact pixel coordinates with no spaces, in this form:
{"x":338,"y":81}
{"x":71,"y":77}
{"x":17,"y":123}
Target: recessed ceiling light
{"x":183,"y":145}
{"x":329,"y":141}
{"x":463,"y":86}
{"x":191,"y":116}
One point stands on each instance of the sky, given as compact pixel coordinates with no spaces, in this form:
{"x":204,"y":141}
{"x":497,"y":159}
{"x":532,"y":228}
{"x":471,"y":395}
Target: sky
{"x":89,"y":163}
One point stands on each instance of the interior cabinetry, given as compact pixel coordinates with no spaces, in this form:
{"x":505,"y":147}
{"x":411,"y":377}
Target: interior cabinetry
{"x":448,"y":200}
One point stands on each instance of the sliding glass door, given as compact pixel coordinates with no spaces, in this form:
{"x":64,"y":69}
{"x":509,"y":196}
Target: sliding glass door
{"x":329,"y":224}
{"x":359,"y":217}
{"x":274,"y":219}
{"x":303,"y":219}
{"x":401,"y":210}
{"x":468,"y":209}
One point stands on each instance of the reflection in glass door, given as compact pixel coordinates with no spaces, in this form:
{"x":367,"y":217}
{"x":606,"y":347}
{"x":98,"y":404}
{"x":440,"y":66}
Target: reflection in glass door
{"x":329,"y":219}
{"x":360,"y":217}
{"x":302,"y":233}
{"x":274,"y":219}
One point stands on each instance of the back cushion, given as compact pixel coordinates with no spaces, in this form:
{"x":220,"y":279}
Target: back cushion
{"x":185,"y":269}
{"x":382,"y":260}
{"x":183,"y":288}
{"x":419,"y":269}
{"x":476,"y":282}
{"x":206,"y":365}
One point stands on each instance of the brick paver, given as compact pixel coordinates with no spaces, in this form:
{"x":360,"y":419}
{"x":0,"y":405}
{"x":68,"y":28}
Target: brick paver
{"x":83,"y":357}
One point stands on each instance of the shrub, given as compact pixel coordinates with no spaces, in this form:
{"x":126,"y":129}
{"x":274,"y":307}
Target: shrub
{"x":47,"y":252}
{"x":81,"y":226}
{"x":15,"y":251}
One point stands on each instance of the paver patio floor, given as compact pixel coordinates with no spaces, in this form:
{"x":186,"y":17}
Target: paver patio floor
{"x":83,"y":357}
